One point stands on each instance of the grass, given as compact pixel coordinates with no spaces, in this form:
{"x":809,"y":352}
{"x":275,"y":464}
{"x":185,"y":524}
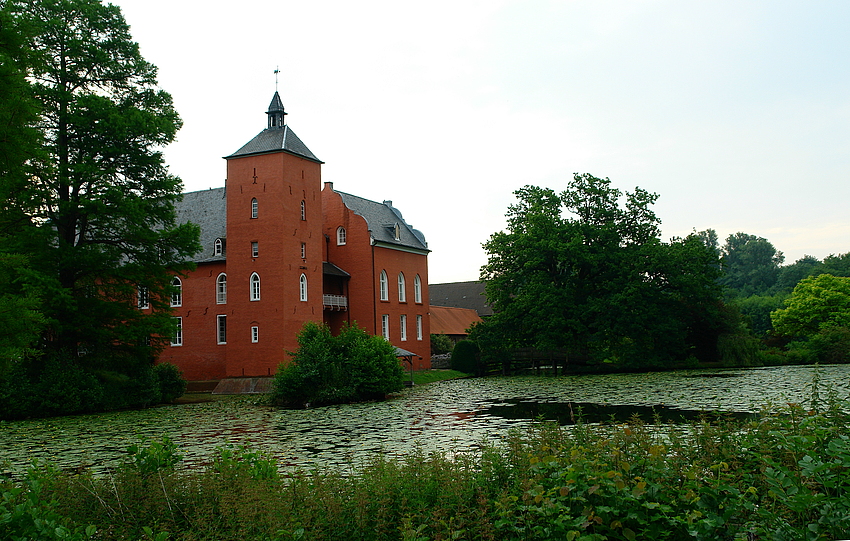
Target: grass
{"x":430,"y":376}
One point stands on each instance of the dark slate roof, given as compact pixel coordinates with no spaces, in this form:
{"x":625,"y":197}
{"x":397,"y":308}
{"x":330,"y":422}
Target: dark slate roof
{"x":333,"y":270}
{"x":460,"y":295}
{"x":275,"y":140}
{"x":207,"y":209}
{"x":381,"y":219}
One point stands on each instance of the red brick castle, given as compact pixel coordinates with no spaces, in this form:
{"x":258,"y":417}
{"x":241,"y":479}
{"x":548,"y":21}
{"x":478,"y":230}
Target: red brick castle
{"x":280,"y":250}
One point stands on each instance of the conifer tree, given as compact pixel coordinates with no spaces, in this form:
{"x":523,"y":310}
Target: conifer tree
{"x":91,"y":204}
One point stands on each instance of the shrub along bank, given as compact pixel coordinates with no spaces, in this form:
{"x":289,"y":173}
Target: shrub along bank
{"x":65,"y":388}
{"x":783,"y":475}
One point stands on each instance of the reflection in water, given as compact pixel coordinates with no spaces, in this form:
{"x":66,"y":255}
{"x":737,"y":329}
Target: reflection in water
{"x":450,"y":417}
{"x":567,"y":413}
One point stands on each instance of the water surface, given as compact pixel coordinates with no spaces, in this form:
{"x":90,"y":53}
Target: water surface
{"x":450,"y":416}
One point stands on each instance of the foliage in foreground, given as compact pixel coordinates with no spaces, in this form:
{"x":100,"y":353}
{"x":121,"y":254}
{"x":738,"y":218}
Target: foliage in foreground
{"x":781,"y":476}
{"x":329,"y":369}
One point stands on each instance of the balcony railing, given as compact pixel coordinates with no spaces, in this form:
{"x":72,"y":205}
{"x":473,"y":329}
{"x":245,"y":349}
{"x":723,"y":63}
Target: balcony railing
{"x":335,"y":302}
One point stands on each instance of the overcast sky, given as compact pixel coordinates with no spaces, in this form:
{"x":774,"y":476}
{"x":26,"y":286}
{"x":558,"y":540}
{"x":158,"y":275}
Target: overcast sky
{"x":737,"y":113}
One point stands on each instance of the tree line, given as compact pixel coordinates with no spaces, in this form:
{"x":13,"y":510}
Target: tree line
{"x":585,"y":271}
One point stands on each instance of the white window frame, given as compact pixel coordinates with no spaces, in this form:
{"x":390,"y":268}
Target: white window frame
{"x":384,"y":286}
{"x":419,"y":327}
{"x":417,"y":289}
{"x":221,"y":329}
{"x":218,"y":247}
{"x":385,"y":326}
{"x":303,"y":210}
{"x":402,"y":321}
{"x":255,"y":248}
{"x":340,"y":236}
{"x":255,"y":208}
{"x":221,"y":289}
{"x":255,"y":334}
{"x":402,"y":288}
{"x":255,"y":286}
{"x":177,"y":337}
{"x":143,"y":297}
{"x":302,"y":287}
{"x":303,"y":250}
{"x":177,"y":294}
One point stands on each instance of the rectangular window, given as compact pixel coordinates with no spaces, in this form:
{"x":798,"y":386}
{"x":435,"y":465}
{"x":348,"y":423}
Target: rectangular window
{"x":385,"y":326}
{"x":303,"y":251}
{"x":255,"y":249}
{"x":403,"y":325}
{"x":419,"y":327}
{"x":143,"y":298}
{"x":255,"y":334}
{"x":177,"y":337}
{"x":222,"y":329}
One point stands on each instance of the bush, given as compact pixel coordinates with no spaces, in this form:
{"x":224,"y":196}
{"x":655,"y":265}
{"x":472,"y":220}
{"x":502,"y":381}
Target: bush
{"x":351,"y":367}
{"x":465,"y":357}
{"x":831,"y":345}
{"x":441,"y":344}
{"x":56,"y":384}
{"x":171,"y":382}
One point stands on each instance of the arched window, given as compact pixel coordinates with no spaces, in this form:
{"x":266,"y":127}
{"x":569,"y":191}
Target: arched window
{"x":303,"y":282}
{"x":384,"y":286}
{"x":417,"y":289}
{"x":402,"y":293}
{"x":221,"y":289}
{"x":303,"y":210}
{"x":218,"y":247}
{"x":254,"y":208}
{"x":177,"y":292}
{"x":255,"y":287}
{"x":397,"y":232}
{"x":340,"y":236}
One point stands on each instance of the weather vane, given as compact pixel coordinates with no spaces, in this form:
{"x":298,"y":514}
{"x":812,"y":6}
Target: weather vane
{"x":276,"y":71}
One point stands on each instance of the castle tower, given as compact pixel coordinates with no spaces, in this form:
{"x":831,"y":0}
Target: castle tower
{"x":274,"y":247}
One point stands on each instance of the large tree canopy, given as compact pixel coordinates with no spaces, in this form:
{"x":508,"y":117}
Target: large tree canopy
{"x":751,"y":264}
{"x":92,"y":205}
{"x":817,"y":303}
{"x":585,"y":270}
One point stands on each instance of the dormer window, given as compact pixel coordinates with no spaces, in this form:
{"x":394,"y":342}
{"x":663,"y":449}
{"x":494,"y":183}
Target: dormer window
{"x":397,"y":232}
{"x":218,"y":247}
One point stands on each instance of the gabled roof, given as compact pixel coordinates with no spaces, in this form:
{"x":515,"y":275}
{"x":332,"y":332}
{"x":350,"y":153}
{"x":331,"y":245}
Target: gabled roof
{"x":276,"y":140}
{"x":445,"y":320}
{"x":207,"y":209}
{"x":460,"y":295}
{"x":381,"y":219}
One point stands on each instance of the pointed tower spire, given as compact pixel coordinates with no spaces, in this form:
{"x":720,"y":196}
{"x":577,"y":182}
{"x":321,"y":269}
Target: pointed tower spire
{"x":276,"y":113}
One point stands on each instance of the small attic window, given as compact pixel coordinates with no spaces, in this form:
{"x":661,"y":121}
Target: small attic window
{"x":397,"y":232}
{"x":217,"y":250}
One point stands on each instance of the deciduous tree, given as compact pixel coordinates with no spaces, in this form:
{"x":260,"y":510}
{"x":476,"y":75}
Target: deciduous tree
{"x":817,"y":303}
{"x":585,"y":270}
{"x":751,"y":265}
